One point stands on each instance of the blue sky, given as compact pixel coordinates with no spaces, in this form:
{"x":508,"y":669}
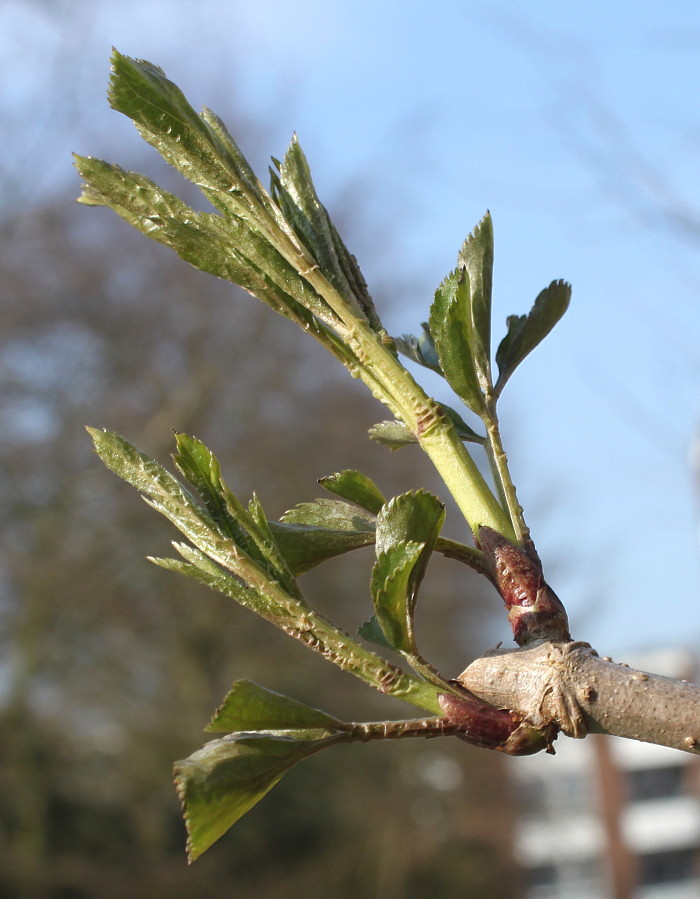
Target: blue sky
{"x":577,"y":126}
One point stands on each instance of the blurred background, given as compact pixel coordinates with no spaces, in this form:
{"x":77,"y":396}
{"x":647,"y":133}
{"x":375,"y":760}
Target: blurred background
{"x":578,"y":127}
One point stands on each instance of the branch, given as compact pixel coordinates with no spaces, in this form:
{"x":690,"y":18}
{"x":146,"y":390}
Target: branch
{"x":571,"y":686}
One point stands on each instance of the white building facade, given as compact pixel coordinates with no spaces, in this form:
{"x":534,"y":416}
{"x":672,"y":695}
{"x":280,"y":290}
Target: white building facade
{"x":611,"y":818}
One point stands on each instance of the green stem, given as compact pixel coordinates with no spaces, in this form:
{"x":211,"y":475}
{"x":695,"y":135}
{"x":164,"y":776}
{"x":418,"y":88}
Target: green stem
{"x":398,"y":730}
{"x":394,"y":386}
{"x":499,"y":464}
{"x":428,"y":673}
{"x":298,"y":620}
{"x":337,"y":647}
{"x":467,"y":555}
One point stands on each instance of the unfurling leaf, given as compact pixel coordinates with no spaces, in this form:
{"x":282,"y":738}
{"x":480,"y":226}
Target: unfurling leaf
{"x":417,"y":516}
{"x":407,"y":529}
{"x":453,"y":333}
{"x":526,"y":331}
{"x":371,"y":631}
{"x":294,"y":192}
{"x":420,"y":349}
{"x":476,"y":256}
{"x":249,"y":707}
{"x":355,"y":487}
{"x":310,"y":533}
{"x":247,"y":528}
{"x":393,"y":594}
{"x":393,"y":434}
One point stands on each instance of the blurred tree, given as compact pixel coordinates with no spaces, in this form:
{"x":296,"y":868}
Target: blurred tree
{"x":111,"y":665}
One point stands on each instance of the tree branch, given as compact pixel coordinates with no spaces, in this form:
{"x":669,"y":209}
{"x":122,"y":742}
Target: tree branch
{"x":571,"y":686}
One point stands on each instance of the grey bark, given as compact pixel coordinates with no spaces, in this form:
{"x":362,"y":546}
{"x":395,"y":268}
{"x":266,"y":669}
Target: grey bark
{"x":570,"y":686}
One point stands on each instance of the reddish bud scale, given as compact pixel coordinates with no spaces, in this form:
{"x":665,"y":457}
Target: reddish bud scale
{"x":486,"y":726}
{"x":534,"y":610}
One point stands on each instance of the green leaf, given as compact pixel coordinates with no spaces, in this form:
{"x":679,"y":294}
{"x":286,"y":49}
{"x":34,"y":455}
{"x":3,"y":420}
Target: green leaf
{"x":270,"y":550}
{"x":333,"y":515}
{"x":226,"y":248}
{"x":393,"y":594}
{"x":250,"y":707}
{"x":163,"y":492}
{"x":526,"y":331}
{"x":211,"y":576}
{"x":463,"y":430}
{"x":202,"y":469}
{"x":158,"y":486}
{"x":393,"y":434}
{"x":306,"y":546}
{"x":451,"y":327}
{"x":476,"y":256}
{"x":251,"y":245}
{"x":199,"y":147}
{"x":295,"y":194}
{"x":417,"y":516}
{"x":420,"y":349}
{"x":355,"y":487}
{"x":248,"y":529}
{"x":371,"y":631}
{"x":223,"y":780}
{"x":407,"y":530}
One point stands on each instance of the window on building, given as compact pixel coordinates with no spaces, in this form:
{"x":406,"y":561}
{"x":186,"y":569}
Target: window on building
{"x":671,"y":866}
{"x":656,"y":783}
{"x":541,"y":876}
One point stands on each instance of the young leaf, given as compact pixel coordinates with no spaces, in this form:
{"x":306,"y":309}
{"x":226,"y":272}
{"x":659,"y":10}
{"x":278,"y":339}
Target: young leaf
{"x":407,"y":529}
{"x":158,"y":486}
{"x":295,"y":194}
{"x":371,"y":631}
{"x":163,"y":492}
{"x":526,"y":331}
{"x":305,"y":546}
{"x":452,"y":330}
{"x":393,"y":593}
{"x":226,"y":248}
{"x":202,"y":469}
{"x":223,"y":780}
{"x":420,"y":349}
{"x":199,"y":147}
{"x":332,"y":514}
{"x":463,"y":430}
{"x":215,"y":578}
{"x":393,"y":434}
{"x":416,"y":516}
{"x":476,"y":256}
{"x":248,"y":529}
{"x":355,"y":487}
{"x":250,"y":707}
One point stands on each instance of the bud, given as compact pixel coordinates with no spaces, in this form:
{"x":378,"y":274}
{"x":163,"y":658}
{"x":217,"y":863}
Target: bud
{"x":488,"y":727}
{"x":535,"y":612}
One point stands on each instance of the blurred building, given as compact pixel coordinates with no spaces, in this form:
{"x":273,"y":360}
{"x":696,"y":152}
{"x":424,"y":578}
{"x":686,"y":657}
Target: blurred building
{"x":611,"y":818}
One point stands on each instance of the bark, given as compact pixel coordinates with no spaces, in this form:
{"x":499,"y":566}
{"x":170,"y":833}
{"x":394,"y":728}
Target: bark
{"x":569,"y":686}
